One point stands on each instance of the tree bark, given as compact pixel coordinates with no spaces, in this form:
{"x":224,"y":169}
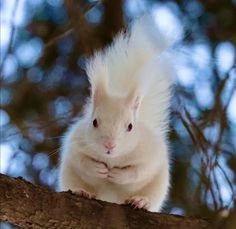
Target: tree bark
{"x":32,"y":206}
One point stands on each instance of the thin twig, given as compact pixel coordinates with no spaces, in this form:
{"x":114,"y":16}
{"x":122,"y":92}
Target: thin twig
{"x":59,"y":37}
{"x":227,"y":179}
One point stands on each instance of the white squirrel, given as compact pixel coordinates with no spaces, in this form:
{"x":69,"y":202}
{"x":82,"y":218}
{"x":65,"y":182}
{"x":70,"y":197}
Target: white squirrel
{"x":118,"y":151}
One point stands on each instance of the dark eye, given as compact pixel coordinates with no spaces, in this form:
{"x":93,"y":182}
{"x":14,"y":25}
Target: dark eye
{"x":95,"y":123}
{"x":130,"y":126}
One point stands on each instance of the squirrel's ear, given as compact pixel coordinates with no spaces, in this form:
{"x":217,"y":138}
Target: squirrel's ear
{"x":133,"y":100}
{"x":99,"y":92}
{"x":98,"y":78}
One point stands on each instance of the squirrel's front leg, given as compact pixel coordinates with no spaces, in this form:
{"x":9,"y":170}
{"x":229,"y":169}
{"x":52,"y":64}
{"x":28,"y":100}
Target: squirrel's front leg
{"x":123,"y":175}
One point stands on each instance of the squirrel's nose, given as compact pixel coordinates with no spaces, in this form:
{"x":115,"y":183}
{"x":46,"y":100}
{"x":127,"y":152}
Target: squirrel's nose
{"x":109,"y":145}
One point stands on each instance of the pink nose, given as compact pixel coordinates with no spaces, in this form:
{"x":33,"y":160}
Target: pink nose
{"x":109,"y":145}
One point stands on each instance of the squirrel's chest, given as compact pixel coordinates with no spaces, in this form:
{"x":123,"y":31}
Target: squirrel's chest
{"x":112,"y":193}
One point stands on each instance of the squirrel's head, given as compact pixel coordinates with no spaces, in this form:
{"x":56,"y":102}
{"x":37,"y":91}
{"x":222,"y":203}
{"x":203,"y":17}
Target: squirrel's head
{"x":113,"y":119}
{"x":113,"y":124}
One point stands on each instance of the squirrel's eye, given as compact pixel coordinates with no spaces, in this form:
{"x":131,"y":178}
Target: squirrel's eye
{"x":130,"y":126}
{"x":95,"y":123}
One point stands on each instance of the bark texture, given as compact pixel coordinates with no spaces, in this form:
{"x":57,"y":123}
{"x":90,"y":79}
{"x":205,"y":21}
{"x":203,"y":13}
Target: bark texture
{"x":31,"y":206}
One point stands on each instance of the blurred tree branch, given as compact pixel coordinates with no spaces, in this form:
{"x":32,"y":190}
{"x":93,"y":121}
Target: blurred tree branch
{"x":87,"y":37}
{"x":208,"y":150}
{"x":70,"y":29}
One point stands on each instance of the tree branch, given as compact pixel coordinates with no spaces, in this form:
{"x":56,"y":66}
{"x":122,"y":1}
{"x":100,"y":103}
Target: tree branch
{"x":32,"y":206}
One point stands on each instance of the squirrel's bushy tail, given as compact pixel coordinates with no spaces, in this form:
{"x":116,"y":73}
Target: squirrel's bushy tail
{"x":139,"y":58}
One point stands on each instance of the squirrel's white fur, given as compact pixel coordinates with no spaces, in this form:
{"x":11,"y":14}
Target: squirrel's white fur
{"x":130,"y":84}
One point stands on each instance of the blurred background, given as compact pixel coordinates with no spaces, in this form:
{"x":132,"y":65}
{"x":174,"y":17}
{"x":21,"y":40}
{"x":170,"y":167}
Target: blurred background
{"x":43,"y":48}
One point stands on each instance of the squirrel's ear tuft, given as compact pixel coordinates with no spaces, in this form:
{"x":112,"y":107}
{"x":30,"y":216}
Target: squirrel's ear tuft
{"x":98,"y":78}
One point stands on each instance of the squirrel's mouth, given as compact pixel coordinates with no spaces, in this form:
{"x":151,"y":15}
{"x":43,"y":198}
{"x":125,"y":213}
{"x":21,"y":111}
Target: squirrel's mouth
{"x":108,"y":152}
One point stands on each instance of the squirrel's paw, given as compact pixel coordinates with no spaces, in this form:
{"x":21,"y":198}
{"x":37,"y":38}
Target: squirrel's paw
{"x":100,"y":170}
{"x":97,"y":169}
{"x":139,"y":202}
{"x":118,"y":176}
{"x":83,"y":193}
